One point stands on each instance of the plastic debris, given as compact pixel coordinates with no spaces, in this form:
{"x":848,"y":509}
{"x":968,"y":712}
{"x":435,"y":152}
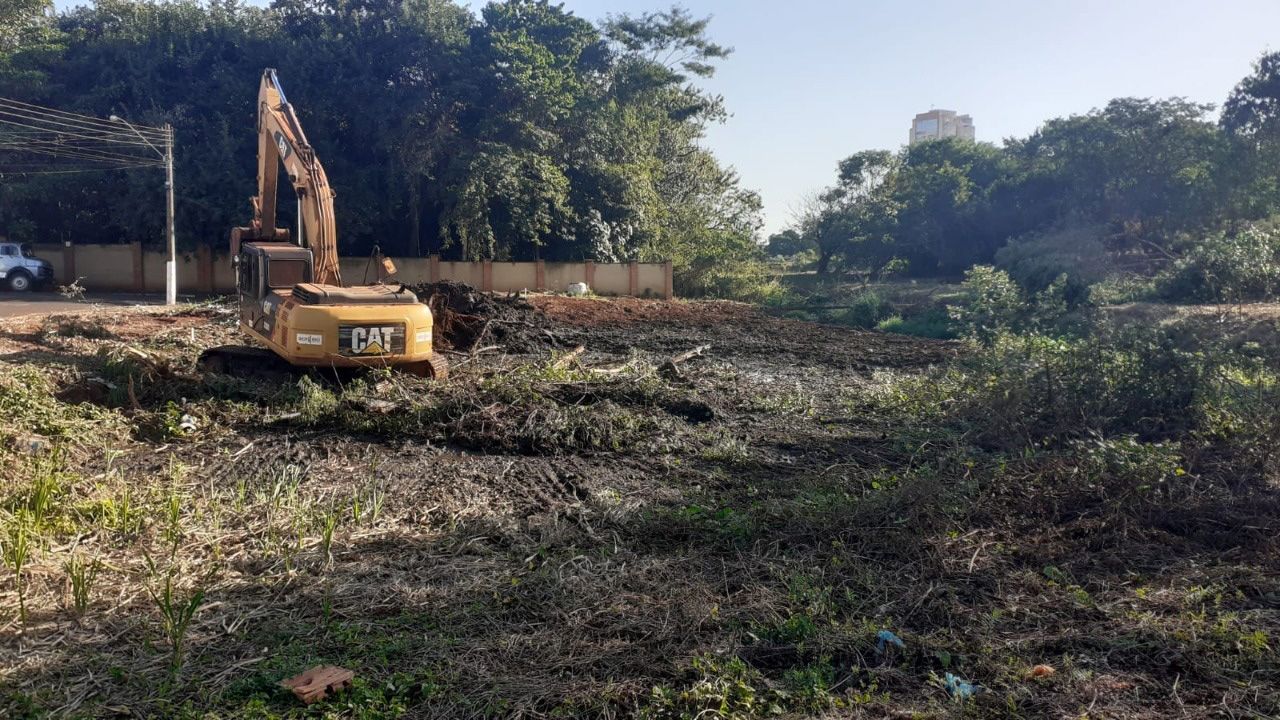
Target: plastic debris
{"x":885,"y":638}
{"x":187,"y":424}
{"x":959,"y":689}
{"x":578,"y":289}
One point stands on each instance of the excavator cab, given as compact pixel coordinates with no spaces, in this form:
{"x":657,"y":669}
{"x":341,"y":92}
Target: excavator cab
{"x":261,"y":267}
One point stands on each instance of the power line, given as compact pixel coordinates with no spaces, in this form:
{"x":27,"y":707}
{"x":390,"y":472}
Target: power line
{"x":64,"y":172}
{"x":71,"y":115}
{"x":59,"y":144}
{"x":71,"y":134}
{"x":82,"y":154}
{"x":72,"y":119}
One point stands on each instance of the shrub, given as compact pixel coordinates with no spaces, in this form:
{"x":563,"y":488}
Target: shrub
{"x":1038,"y":260}
{"x":745,"y":279}
{"x":931,"y":324}
{"x":992,"y":303}
{"x":1227,"y":268}
{"x":865,"y":310}
{"x":1027,"y":390}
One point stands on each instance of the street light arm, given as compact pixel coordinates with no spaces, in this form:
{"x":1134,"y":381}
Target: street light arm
{"x":117,"y":118}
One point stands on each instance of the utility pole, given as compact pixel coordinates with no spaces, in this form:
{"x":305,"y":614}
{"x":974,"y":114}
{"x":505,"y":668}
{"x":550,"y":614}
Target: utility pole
{"x":171,"y":265}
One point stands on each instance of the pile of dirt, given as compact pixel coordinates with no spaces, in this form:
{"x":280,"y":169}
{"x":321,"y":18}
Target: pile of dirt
{"x":466,"y":319}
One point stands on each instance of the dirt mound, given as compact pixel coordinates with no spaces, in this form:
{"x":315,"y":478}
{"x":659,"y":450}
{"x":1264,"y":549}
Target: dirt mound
{"x":466,"y":318}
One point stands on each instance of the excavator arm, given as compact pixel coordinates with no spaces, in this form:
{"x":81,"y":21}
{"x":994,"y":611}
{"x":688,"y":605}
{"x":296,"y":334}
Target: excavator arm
{"x":281,"y":141}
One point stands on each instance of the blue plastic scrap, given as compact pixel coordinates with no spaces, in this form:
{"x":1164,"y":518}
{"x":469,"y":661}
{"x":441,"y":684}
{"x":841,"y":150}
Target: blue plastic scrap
{"x":886,"y":637}
{"x":959,"y":689}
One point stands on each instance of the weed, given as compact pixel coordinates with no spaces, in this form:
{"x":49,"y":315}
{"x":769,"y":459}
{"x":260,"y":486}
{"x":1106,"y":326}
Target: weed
{"x":17,"y":551}
{"x":723,"y":689}
{"x":366,"y":505}
{"x":176,"y":612}
{"x":725,"y":448}
{"x":121,"y":514}
{"x":46,"y":486}
{"x":328,"y":523}
{"x":82,"y":573}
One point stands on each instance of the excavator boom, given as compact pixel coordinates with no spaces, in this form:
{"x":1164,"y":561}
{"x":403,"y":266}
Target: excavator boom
{"x":281,"y":141}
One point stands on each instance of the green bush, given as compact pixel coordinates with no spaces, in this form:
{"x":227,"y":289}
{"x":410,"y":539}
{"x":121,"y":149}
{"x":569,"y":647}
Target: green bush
{"x":1227,"y":268}
{"x":931,"y":324}
{"x":992,"y":303}
{"x":1027,"y":390}
{"x":865,"y":310}
{"x":1038,"y":260}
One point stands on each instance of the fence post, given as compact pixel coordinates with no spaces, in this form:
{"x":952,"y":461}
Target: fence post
{"x":139,"y":280}
{"x":589,"y":275}
{"x":633,"y":279}
{"x":433,"y":265}
{"x":486,"y":276}
{"x":540,"y":276}
{"x":668,"y":289}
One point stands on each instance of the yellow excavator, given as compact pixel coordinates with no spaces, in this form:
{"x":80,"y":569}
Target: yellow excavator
{"x":292,"y":299}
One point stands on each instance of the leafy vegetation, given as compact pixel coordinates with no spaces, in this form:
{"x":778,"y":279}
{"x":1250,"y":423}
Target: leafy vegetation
{"x":1137,"y":184}
{"x":517,"y":130}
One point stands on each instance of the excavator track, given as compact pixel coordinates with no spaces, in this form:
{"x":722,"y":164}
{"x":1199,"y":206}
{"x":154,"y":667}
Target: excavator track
{"x":434,"y":368}
{"x":244,"y":361}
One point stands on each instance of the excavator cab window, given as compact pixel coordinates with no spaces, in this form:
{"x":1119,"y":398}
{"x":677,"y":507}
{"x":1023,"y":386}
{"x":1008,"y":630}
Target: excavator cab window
{"x":287,"y":273}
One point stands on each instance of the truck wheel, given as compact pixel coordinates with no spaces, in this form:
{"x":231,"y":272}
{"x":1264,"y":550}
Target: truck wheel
{"x":20,"y":282}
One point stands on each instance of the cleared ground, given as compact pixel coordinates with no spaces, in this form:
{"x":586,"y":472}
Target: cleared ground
{"x":603,"y":534}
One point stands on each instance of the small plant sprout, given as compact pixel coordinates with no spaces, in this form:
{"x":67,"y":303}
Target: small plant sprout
{"x":328,"y":523}
{"x":176,"y":612}
{"x":82,"y":573}
{"x":17,"y":551}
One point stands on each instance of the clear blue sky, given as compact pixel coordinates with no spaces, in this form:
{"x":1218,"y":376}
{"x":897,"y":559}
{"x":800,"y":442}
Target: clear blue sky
{"x":812,"y":81}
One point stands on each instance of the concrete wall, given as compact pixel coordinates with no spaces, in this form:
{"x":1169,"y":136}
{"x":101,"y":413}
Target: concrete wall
{"x":130,"y":268}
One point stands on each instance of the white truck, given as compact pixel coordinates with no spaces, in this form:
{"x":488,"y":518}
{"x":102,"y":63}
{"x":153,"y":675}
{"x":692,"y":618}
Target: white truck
{"x":20,"y":269}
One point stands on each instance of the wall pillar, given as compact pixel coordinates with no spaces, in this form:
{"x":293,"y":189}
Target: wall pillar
{"x":486,"y":276}
{"x":433,"y":268}
{"x":668,"y":284}
{"x":139,"y":281}
{"x":204,"y":269}
{"x":589,"y":275}
{"x":633,"y":278}
{"x":540,"y":276}
{"x":68,"y":263}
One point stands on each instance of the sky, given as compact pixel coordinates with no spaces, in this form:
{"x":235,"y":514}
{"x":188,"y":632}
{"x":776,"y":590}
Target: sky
{"x":813,"y":81}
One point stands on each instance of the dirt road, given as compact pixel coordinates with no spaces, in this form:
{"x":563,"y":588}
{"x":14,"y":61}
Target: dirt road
{"x":17,"y":304}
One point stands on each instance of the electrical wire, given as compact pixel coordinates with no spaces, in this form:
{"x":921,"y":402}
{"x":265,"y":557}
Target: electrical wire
{"x":139,"y":143}
{"x":84,"y":154}
{"x":78,"y":116}
{"x":35,"y":131}
{"x":61,"y":172}
{"x":53,"y":145}
{"x":74,"y":119}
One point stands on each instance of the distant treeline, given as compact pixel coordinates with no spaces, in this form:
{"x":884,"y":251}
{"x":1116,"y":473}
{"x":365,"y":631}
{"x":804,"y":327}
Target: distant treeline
{"x":1139,"y":177}
{"x":520,"y":132}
